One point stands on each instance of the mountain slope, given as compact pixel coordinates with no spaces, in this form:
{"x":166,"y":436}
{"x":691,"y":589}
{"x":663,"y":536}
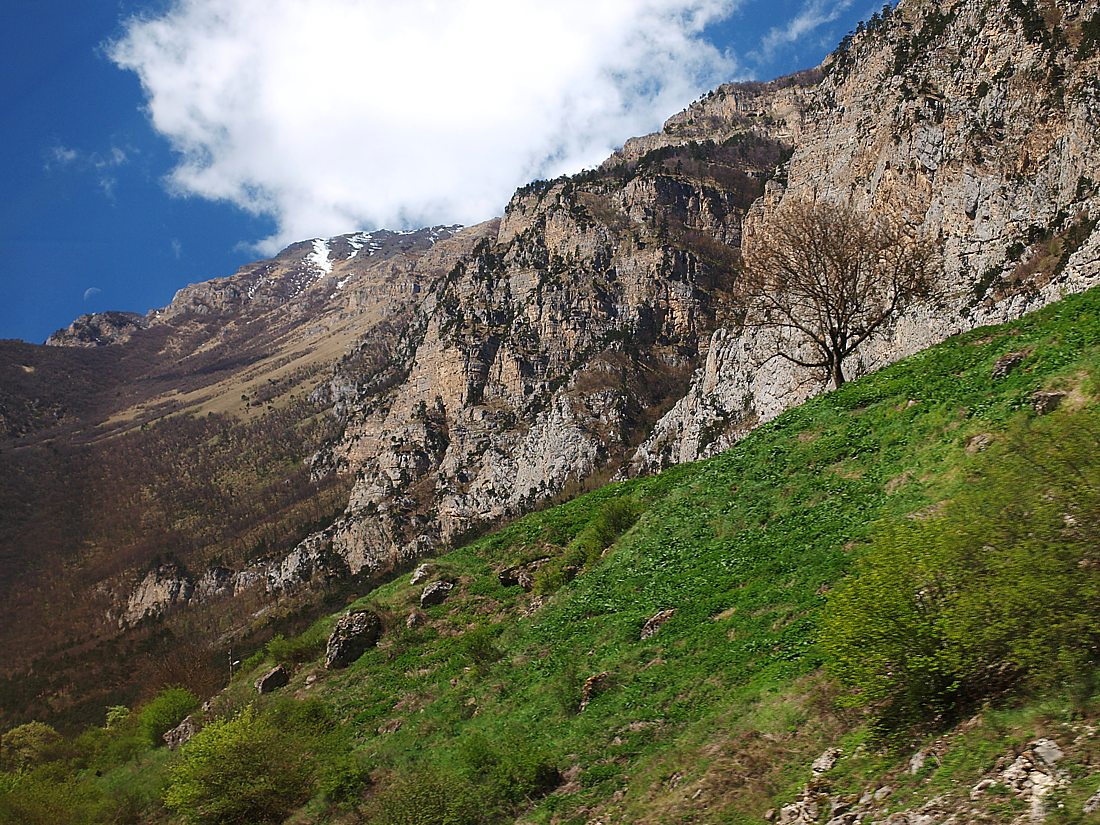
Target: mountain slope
{"x":445,"y":382}
{"x":712,"y":712}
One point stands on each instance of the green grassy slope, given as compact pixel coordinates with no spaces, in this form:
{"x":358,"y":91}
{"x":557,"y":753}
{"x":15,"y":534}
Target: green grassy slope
{"x":716,"y":716}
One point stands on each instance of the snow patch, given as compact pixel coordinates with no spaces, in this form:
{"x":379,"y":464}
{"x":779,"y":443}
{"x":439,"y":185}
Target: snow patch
{"x":320,"y":257}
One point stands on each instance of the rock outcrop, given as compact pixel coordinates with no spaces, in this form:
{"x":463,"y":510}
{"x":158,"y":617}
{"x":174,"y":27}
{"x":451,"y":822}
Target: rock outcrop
{"x":353,"y":635}
{"x":980,"y":124}
{"x":98,"y":330}
{"x":274,"y":679}
{"x":163,"y":589}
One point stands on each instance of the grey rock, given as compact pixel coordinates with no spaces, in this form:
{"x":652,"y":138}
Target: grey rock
{"x":181,"y":733}
{"x":436,"y":593}
{"x":979,"y":443}
{"x":916,"y":761}
{"x":421,"y":574}
{"x":274,"y":679}
{"x":1047,"y":402}
{"x":1048,"y":751}
{"x":655,"y":622}
{"x":353,"y":635}
{"x":1092,"y":804}
{"x":826,"y":762}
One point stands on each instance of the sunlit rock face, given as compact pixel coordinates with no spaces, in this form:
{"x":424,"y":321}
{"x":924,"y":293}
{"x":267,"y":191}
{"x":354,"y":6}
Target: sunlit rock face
{"x":594,"y":330}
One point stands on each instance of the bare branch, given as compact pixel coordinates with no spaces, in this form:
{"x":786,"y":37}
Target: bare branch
{"x":834,"y":275}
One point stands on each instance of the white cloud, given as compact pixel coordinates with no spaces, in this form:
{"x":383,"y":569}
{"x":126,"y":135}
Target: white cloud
{"x":813,"y":15}
{"x":335,"y":115}
{"x":101,"y":165}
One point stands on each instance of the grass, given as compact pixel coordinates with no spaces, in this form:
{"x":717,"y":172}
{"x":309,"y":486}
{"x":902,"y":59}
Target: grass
{"x":716,"y":717}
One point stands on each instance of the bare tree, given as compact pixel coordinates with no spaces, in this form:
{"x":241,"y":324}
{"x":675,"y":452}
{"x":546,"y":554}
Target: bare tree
{"x":829,"y":276}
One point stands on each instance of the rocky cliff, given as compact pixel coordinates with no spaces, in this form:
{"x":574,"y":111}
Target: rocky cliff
{"x":595,"y":328}
{"x":976,"y":120}
{"x":541,"y":361}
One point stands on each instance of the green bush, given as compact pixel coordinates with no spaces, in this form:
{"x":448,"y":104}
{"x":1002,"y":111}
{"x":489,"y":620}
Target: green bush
{"x":28,"y":745}
{"x":1001,"y":589}
{"x":302,"y":648}
{"x":48,"y":796}
{"x":164,"y":712}
{"x":487,"y":783}
{"x":238,"y":771}
{"x":613,"y":519}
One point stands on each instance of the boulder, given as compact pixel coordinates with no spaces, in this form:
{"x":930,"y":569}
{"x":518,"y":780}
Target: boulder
{"x":181,"y":733}
{"x":417,"y":618}
{"x":274,"y":679}
{"x":421,"y":574}
{"x":654,"y":623}
{"x":436,"y":593}
{"x":1008,"y":362}
{"x":1047,"y":402}
{"x":354,"y":633}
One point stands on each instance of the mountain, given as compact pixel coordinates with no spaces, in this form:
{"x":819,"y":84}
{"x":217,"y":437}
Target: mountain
{"x":315,"y":422}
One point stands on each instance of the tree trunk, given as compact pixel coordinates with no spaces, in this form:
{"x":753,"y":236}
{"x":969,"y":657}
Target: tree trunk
{"x":837,"y":373}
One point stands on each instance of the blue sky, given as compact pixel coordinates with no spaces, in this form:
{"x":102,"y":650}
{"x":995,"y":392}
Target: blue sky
{"x":149,"y":145}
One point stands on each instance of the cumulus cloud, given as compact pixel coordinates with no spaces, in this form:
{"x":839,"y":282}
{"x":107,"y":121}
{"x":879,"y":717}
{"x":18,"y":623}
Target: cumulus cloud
{"x":813,"y":15}
{"x":335,"y":115}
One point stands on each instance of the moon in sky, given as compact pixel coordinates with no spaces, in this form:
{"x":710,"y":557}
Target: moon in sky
{"x":91,"y":292}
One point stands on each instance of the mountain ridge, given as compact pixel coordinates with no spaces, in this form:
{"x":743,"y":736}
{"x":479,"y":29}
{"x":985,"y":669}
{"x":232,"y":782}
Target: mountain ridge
{"x":594,"y":329}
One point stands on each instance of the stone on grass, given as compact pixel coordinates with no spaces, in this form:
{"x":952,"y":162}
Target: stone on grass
{"x":654,"y":623}
{"x":421,"y":574}
{"x":1047,"y":402}
{"x":1008,"y":362}
{"x":181,"y":733}
{"x":274,"y":679}
{"x":436,"y":593}
{"x":353,"y":635}
{"x":593,"y":686}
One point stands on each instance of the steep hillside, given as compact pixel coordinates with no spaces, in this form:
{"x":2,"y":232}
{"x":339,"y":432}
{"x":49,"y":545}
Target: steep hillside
{"x":442,"y":382}
{"x":650,"y":652}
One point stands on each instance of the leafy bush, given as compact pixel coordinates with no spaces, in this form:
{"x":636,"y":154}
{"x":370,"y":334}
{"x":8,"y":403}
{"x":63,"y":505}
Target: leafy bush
{"x":241,"y":770}
{"x":487,"y":785}
{"x":1001,"y":589}
{"x":259,"y":766}
{"x":164,"y":712}
{"x":301,"y":648}
{"x":28,"y":745}
{"x":47,"y":796}
{"x":612,"y":520}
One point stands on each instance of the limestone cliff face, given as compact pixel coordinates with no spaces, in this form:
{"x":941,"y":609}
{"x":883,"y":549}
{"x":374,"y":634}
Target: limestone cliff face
{"x":537,"y":364}
{"x":979,"y":121}
{"x":594,"y":328}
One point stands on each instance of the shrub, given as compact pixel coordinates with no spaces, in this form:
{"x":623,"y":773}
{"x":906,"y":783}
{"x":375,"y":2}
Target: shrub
{"x":302,"y":648}
{"x":164,"y":712}
{"x":241,"y":770}
{"x":1000,"y":590}
{"x":28,"y":745}
{"x":488,"y":783}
